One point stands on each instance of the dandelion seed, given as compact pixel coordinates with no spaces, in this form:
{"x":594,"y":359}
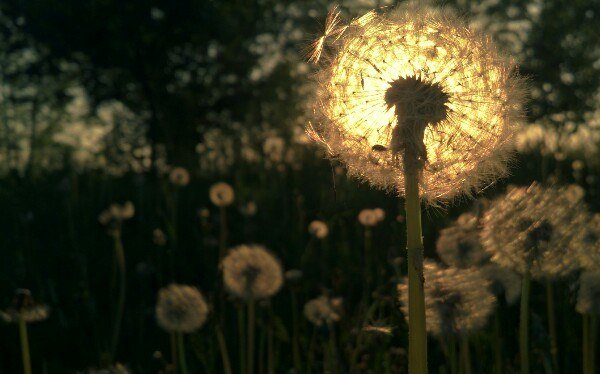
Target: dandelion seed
{"x":323,"y":311}
{"x":221,"y":194}
{"x":250,"y":272}
{"x":24,"y":308}
{"x":534,"y":229}
{"x":181,"y":308}
{"x":457,"y":301}
{"x":459,"y":246}
{"x":384,"y":330}
{"x":331,"y":30}
{"x":179,"y":177}
{"x":318,"y":229}
{"x":588,"y":298}
{"x":417,"y":81}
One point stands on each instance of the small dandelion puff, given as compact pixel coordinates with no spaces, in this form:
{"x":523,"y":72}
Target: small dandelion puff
{"x":318,"y":229}
{"x":25,"y":308}
{"x":249,"y":209}
{"x":181,"y":308}
{"x":250,"y":272}
{"x":179,"y":176}
{"x":416,"y":86}
{"x":503,"y":282}
{"x":459,"y":246}
{"x":588,"y":297}
{"x":368,"y":217}
{"x":221,"y":194}
{"x":323,"y":311}
{"x":587,"y":243}
{"x":457,"y":301}
{"x":159,"y":238}
{"x":534,"y":228}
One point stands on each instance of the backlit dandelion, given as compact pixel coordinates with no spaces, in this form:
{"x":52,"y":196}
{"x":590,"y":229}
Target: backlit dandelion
{"x":459,"y":246}
{"x":457,"y":301}
{"x":370,"y":217}
{"x":503,"y":282}
{"x":318,"y":229}
{"x":179,"y":176}
{"x":181,"y":308}
{"x":221,"y":194}
{"x":323,"y":311}
{"x":251,"y":272}
{"x":416,"y":81}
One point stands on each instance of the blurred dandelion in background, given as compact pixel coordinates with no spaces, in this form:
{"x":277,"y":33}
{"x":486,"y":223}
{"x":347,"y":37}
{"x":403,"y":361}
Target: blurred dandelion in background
{"x":179,"y":176}
{"x":370,"y":217}
{"x":503,"y":281}
{"x":587,"y":243}
{"x":458,"y":245}
{"x":181,"y":308}
{"x":458,"y":301}
{"x":318,"y":229}
{"x":221,"y":194}
{"x":588,"y":305}
{"x":251,"y":272}
{"x":324,"y":310}
{"x":158,"y":237}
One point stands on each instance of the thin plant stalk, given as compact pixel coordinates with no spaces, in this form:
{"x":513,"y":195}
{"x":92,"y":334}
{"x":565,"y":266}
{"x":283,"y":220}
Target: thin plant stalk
{"x":417,"y":335}
{"x":552,"y":325}
{"x":524,"y":322}
{"x":224,"y":351}
{"x":174,"y":357}
{"x":250,"y":346}
{"x":585,"y":343}
{"x":593,"y":340}
{"x":270,"y":350}
{"x":120,"y":257}
{"x":222,"y":232}
{"x":367,"y":263}
{"x":181,"y":348}
{"x":497,"y":344}
{"x":242,"y":338}
{"x":332,"y":351}
{"x":465,"y":354}
{"x":25,"y":354}
{"x":295,"y":334}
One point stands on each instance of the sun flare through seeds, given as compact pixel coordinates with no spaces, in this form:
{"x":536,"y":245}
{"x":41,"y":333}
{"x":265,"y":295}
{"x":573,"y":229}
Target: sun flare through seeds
{"x":416,"y":88}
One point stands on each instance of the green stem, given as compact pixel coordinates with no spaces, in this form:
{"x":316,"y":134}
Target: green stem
{"x":552,"y":325}
{"x":224,"y":351}
{"x":24,"y":346}
{"x":270,"y":350}
{"x":173,"y":340}
{"x":367,"y":264}
{"x":465,"y":354}
{"x":585,"y":342}
{"x":250,"y":353}
{"x":332,"y":352}
{"x":497,"y":344}
{"x":181,"y":348}
{"x":223,"y":233}
{"x":120,"y":257}
{"x":417,"y":335}
{"x":524,"y":322}
{"x":242,"y":338}
{"x":295,"y":334}
{"x":593,"y":340}
{"x":453,"y":360}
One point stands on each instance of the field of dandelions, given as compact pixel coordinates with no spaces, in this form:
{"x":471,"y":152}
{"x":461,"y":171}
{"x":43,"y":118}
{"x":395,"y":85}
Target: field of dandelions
{"x":288,"y":254}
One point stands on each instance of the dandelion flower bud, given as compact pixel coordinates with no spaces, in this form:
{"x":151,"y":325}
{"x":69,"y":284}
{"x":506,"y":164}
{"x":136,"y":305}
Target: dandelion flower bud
{"x":181,"y":308}
{"x":251,"y":272}
{"x":457,"y":301}
{"x":459,"y":246}
{"x":368,"y":217}
{"x":179,"y":177}
{"x":588,"y":297}
{"x":318,"y":229}
{"x":24,"y":307}
{"x":533,"y":229}
{"x":415,"y":88}
{"x":323,"y":311}
{"x":221,"y":194}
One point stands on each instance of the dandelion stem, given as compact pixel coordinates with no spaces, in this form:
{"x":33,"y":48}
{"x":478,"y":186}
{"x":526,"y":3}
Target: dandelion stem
{"x":367,"y":264}
{"x":24,"y":346}
{"x":497,"y":344}
{"x":295,"y":334}
{"x":524,"y":322}
{"x":270,"y":349}
{"x":173,"y":341}
{"x":593,"y":335}
{"x":465,"y":354}
{"x":250,"y":354}
{"x":223,"y":232}
{"x":242,"y":338}
{"x":181,"y":348}
{"x":120,"y":257}
{"x":417,"y":335}
{"x":552,"y":325}
{"x":223,"y":349}
{"x":585,"y":342}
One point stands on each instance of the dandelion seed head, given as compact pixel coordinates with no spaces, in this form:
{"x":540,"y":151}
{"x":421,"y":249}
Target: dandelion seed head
{"x":459,"y":246}
{"x":535,"y":228}
{"x":324,"y":310}
{"x":370,"y":217}
{"x":179,"y":176}
{"x":24,"y":307}
{"x":588,"y":297}
{"x":251,"y":272}
{"x":417,"y":81}
{"x":503,"y":282}
{"x":318,"y":229}
{"x":379,"y":214}
{"x":221,"y":194}
{"x":457,"y":301}
{"x":181,"y":308}
{"x":587,"y":243}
